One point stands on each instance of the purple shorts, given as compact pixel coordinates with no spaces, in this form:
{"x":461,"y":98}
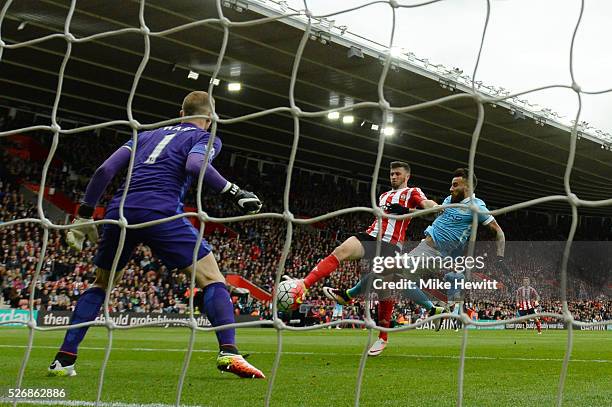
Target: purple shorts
{"x":172,"y":242}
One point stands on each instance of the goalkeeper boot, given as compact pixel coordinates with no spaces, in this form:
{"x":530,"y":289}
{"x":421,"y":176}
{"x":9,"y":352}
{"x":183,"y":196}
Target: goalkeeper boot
{"x":335,"y":294}
{"x":437,"y":311}
{"x":236,"y":364}
{"x":63,"y":365}
{"x":377,"y":347}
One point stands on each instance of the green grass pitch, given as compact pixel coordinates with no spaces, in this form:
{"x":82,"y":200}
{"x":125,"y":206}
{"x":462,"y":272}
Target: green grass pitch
{"x":319,"y":368}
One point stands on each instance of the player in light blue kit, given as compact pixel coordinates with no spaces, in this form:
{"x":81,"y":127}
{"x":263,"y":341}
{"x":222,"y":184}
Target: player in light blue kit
{"x":167,"y":160}
{"x":454,"y":295}
{"x":446,"y":236}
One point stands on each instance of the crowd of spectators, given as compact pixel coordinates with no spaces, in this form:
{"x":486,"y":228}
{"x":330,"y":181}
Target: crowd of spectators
{"x":405,"y":311}
{"x":255,"y":248}
{"x":582,"y":310}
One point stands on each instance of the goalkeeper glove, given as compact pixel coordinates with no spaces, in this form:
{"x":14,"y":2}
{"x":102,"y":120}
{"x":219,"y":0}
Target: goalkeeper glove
{"x":247,"y":201}
{"x":501,"y":264}
{"x":80,"y":230}
{"x":396,"y":209}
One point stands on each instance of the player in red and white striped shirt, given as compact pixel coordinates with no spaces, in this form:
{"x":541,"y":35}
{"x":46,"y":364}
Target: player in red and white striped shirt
{"x":400,"y":200}
{"x":527,"y":299}
{"x":393,"y":231}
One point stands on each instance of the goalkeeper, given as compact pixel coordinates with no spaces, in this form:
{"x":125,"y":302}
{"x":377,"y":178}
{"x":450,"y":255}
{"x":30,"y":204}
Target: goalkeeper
{"x":167,"y":159}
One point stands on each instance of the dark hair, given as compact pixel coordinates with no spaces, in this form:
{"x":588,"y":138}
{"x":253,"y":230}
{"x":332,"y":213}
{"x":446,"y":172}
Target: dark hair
{"x":465,"y":174}
{"x":400,"y":164}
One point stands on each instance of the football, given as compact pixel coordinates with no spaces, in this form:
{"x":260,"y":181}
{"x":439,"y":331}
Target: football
{"x":289,"y":295}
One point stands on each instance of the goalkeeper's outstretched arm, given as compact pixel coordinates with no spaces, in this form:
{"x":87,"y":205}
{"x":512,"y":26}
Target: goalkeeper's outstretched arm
{"x":81,"y":228}
{"x":247,"y":201}
{"x":102,"y":177}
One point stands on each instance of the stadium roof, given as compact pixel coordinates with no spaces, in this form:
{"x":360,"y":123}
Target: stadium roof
{"x":518,"y":157}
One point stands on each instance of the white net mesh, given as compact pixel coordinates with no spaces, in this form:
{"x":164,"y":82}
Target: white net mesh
{"x":296,"y":113}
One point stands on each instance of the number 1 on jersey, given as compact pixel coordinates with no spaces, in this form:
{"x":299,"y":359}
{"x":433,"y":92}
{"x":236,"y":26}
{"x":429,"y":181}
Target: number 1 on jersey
{"x":159,"y":148}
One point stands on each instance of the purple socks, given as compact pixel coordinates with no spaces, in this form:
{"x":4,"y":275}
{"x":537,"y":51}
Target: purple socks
{"x":220,"y":311}
{"x":217,"y":305}
{"x":87,"y":309}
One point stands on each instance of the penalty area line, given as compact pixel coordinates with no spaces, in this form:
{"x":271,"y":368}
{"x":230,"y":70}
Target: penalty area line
{"x":411,"y":356}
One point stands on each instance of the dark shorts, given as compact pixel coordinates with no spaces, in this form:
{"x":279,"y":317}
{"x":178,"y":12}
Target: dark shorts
{"x":172,"y":242}
{"x":523,"y":312}
{"x":369,"y":246}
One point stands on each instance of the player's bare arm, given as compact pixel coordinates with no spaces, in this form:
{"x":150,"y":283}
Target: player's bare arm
{"x":500,"y":246}
{"x":428,"y":204}
{"x":398,"y":209}
{"x":500,"y":238}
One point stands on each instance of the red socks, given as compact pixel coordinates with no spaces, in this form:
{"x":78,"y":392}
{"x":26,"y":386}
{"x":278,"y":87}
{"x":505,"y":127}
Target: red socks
{"x":385,"y":312}
{"x":322,"y":270}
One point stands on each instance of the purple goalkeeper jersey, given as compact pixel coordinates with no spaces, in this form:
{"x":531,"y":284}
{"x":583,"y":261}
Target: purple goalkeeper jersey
{"x":159,"y":179}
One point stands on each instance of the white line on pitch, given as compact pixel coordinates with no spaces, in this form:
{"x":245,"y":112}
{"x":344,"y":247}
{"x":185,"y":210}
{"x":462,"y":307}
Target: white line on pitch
{"x":416,"y":356}
{"x":43,"y":402}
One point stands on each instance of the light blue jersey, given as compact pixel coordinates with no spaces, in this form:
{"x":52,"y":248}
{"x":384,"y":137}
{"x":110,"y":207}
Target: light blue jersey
{"x":451,"y":230}
{"x":337,"y":313}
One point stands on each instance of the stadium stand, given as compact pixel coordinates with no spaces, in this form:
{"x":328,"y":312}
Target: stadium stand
{"x":250,"y":249}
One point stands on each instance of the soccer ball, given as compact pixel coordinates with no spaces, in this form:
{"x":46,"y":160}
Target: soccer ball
{"x":290,"y":294}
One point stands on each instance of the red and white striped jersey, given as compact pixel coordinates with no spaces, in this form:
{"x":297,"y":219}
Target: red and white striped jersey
{"x":394,"y":230}
{"x":526,"y":298}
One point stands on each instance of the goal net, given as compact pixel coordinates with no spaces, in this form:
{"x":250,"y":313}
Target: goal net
{"x":473,"y":94}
